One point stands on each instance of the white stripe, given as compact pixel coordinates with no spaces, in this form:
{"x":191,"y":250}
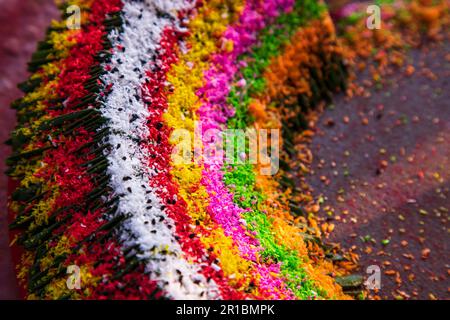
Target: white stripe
{"x":140,"y":38}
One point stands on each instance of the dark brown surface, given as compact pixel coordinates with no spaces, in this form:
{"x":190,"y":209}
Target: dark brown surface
{"x":406,"y":124}
{"x":22,"y":24}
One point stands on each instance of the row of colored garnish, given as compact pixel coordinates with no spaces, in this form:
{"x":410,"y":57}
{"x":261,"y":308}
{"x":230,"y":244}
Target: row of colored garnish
{"x":100,"y":186}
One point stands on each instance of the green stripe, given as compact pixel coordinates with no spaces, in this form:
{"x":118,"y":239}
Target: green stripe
{"x":240,"y":179}
{"x":273,"y":38}
{"x":245,"y":195}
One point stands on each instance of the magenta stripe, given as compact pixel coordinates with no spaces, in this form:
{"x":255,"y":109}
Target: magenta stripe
{"x":214,"y":113}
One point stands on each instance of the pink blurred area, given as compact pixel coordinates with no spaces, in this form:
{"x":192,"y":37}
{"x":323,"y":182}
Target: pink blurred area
{"x":22,"y":24}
